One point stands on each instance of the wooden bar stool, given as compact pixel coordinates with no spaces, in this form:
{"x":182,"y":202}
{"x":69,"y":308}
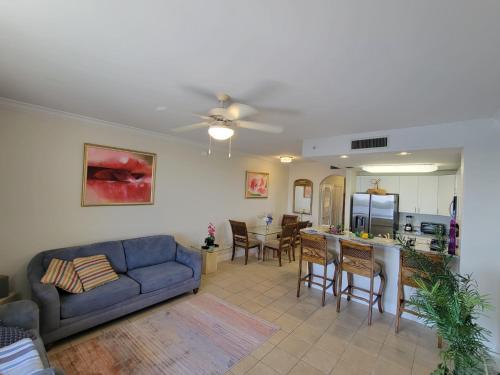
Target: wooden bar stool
{"x":314,"y":250}
{"x":240,"y":239}
{"x":359,"y":259}
{"x":300,"y":225}
{"x":408,"y":269}
{"x":284,"y":244}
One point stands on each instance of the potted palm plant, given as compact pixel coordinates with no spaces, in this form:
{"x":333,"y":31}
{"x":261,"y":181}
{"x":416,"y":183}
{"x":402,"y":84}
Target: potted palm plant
{"x":451,"y":304}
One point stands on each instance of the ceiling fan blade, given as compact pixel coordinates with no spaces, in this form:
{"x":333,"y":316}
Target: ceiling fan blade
{"x":238,"y":111}
{"x":186,"y":128}
{"x":281,"y":111}
{"x":201,"y":91}
{"x":261,"y":90}
{"x":260,"y":127}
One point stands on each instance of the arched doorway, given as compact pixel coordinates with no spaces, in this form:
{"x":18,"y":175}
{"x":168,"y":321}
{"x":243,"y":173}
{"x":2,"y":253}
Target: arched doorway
{"x":332,"y":201}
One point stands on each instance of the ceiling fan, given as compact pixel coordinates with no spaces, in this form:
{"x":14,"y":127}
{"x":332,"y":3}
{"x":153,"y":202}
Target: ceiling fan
{"x":221,"y":121}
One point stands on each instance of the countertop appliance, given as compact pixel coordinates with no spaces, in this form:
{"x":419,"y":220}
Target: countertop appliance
{"x":409,"y":224}
{"x":432,"y":228}
{"x":375,"y":214}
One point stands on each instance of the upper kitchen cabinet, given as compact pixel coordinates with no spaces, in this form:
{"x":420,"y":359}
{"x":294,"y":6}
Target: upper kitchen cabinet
{"x":389,"y":183}
{"x":428,"y":195}
{"x":446,"y":191}
{"x":408,"y":194}
{"x":424,"y":194}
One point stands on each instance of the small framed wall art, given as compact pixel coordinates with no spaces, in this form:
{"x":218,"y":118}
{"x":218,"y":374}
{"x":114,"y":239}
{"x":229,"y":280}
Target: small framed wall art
{"x":256,"y":185}
{"x":117,"y":176}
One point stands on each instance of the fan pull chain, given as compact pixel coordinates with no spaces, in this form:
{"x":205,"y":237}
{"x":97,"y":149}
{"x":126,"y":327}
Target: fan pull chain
{"x":229,"y":148}
{"x":209,"y":145}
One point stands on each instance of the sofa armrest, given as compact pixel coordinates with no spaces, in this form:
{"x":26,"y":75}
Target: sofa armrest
{"x":190,"y":258}
{"x":23,"y":314}
{"x":45,"y":295}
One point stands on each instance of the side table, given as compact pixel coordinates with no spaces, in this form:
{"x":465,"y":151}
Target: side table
{"x":13,"y":296}
{"x":209,"y":257}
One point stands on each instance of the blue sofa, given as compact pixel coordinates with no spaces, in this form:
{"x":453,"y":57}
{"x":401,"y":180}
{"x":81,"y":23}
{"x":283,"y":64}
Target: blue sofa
{"x":151,"y":269}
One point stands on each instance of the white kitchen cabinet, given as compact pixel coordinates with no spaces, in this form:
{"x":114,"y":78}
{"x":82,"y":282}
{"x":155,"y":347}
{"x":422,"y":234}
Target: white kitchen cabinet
{"x":364,"y":183}
{"x":408,"y":194}
{"x":427,"y":195}
{"x":390,"y":184}
{"x":446,"y":191}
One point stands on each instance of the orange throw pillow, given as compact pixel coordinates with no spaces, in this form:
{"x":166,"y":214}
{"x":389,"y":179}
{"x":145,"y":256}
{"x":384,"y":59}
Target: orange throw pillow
{"x":62,"y":274}
{"x":94,"y":271}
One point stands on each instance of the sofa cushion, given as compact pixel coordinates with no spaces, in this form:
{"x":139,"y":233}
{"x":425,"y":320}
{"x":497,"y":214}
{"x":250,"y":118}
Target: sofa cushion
{"x":20,"y":357}
{"x":147,"y":251}
{"x":10,"y":335}
{"x":112,"y":249}
{"x":98,"y":298}
{"x":160,"y":276}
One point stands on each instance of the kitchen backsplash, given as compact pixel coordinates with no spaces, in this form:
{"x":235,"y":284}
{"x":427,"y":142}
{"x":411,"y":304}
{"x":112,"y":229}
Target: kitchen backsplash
{"x":418,"y":218}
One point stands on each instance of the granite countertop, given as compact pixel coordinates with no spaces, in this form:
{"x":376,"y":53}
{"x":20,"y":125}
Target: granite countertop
{"x":379,"y":241}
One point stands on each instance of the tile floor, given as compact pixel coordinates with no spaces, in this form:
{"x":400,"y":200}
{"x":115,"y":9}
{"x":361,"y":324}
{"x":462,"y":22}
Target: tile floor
{"x":312,"y":339}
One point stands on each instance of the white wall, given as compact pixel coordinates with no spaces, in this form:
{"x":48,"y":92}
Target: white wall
{"x":480,"y":198}
{"x":315,"y":172}
{"x":41,"y":156}
{"x":480,"y":254}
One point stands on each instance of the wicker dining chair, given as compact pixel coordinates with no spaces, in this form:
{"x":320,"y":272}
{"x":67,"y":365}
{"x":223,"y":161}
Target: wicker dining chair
{"x":314,"y":250}
{"x":408,"y":269}
{"x":284,"y":244}
{"x":289,"y":219}
{"x":240,"y":239}
{"x":359,"y":259}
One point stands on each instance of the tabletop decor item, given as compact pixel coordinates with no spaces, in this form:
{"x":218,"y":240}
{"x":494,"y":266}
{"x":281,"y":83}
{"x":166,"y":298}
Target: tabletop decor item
{"x":268,"y":219}
{"x":256,"y":185}
{"x":337,"y":229}
{"x":117,"y":176}
{"x":210,"y":240}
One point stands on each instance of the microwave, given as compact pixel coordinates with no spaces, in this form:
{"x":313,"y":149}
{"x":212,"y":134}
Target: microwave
{"x":432,"y":228}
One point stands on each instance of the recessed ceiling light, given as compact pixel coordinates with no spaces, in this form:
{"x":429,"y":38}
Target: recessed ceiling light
{"x":286,"y":159}
{"x":160,"y":108}
{"x":404,"y":153}
{"x":344,"y":156}
{"x":400,"y":168}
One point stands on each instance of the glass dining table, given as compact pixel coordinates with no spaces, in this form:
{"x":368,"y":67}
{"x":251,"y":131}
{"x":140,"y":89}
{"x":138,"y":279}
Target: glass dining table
{"x":265,"y":230}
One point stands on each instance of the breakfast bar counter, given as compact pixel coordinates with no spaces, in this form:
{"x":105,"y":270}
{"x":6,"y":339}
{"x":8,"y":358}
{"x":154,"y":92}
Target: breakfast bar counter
{"x":386,"y":253}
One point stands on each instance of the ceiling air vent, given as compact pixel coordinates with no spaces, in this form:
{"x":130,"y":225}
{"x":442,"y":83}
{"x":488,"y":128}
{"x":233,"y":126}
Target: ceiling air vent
{"x":359,"y":144}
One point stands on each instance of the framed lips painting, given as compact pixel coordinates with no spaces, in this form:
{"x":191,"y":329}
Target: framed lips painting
{"x":117,"y":176}
{"x":257,"y":185}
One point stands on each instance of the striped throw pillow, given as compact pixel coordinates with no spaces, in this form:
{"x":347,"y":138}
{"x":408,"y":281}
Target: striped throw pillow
{"x":62,"y":274}
{"x":94,"y":271}
{"x":20,"y":358}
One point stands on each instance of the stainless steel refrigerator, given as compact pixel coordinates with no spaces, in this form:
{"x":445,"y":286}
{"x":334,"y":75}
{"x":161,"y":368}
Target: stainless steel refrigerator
{"x":375,"y":214}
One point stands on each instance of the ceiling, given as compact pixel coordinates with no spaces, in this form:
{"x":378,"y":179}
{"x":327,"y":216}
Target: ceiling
{"x":339,"y":66}
{"x":446,"y":159}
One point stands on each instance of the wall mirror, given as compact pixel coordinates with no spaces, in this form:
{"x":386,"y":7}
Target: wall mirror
{"x":302,"y":196}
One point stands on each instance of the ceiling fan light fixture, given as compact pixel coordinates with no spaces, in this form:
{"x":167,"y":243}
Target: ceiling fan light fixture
{"x":220,"y":132}
{"x":286,"y":159}
{"x":400,"y":168}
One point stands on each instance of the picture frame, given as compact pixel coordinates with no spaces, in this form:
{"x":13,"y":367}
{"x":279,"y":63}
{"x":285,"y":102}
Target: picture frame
{"x":114,"y":176}
{"x":256,"y":185}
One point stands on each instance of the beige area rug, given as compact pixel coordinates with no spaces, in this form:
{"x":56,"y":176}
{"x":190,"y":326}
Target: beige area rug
{"x":203,"y":335}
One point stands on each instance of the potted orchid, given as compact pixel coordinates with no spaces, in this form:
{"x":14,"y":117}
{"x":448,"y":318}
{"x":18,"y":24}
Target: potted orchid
{"x":210,"y":240}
